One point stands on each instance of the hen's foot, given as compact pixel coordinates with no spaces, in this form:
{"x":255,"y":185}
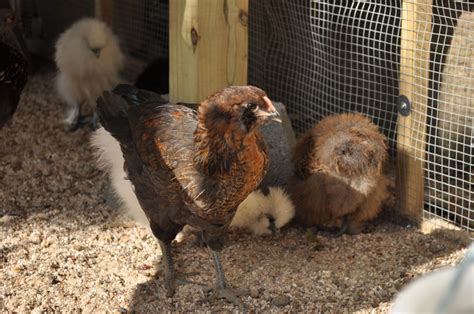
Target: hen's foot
{"x":325,"y":230}
{"x":180,"y":278}
{"x":345,"y":227}
{"x":171,"y":282}
{"x":356,"y":227}
{"x":227,"y":293}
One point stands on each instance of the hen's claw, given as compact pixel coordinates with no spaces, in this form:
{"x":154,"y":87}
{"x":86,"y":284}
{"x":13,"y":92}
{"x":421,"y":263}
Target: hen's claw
{"x":181,"y":281}
{"x":178,"y":280}
{"x":170,"y":286}
{"x":229,"y":294}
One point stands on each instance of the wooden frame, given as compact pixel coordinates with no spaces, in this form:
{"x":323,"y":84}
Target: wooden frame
{"x":104,"y":9}
{"x":208,"y":47}
{"x":411,"y":130}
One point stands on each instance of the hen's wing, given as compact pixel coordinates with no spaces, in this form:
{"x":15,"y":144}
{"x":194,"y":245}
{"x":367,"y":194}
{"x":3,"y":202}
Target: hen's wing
{"x":165,"y":142}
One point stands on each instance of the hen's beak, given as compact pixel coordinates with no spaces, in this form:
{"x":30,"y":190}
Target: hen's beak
{"x":96,"y":51}
{"x":270,"y":113}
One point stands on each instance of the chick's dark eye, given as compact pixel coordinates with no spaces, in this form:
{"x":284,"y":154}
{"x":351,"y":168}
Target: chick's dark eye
{"x":252,"y":106}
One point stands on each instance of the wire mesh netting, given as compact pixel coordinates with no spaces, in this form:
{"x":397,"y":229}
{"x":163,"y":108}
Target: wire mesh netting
{"x":449,"y":191}
{"x":321,"y":58}
{"x":142,"y":27}
{"x":327,"y":58}
{"x":44,"y":20}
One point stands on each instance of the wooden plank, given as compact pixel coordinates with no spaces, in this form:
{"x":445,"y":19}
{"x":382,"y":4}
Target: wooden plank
{"x":208,"y":47}
{"x":237,"y":55}
{"x":104,"y":10}
{"x":411,"y":130}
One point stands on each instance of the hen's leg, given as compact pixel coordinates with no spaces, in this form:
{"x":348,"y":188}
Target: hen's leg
{"x":94,"y":121}
{"x":164,"y":239}
{"x":222,"y":288}
{"x":273,"y":227}
{"x":171,"y":280}
{"x":344,"y":226}
{"x":170,"y":274}
{"x":350,"y":226}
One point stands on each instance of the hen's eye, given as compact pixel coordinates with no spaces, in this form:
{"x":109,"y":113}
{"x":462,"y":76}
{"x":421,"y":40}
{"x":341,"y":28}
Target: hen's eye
{"x":252,"y":106}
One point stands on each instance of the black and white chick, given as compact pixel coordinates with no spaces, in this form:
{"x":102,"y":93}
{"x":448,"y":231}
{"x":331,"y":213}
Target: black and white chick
{"x":264,"y":214}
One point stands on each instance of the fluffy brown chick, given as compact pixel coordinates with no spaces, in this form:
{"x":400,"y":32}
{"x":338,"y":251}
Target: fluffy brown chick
{"x":190,"y":167}
{"x":339,"y":178}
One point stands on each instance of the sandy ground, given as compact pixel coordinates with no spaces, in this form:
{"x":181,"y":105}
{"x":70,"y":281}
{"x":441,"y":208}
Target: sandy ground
{"x":62,"y":248}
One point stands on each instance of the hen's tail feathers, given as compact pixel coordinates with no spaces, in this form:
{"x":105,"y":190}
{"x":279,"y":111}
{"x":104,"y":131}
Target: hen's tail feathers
{"x":112,"y":108}
{"x":136,"y":96}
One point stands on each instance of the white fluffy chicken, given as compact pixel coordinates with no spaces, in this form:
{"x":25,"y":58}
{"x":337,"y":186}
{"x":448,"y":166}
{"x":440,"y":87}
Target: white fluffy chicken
{"x":110,"y":159}
{"x":264,"y":214}
{"x":89,"y":60}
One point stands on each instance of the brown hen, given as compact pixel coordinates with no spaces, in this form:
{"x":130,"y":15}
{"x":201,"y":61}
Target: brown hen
{"x":13,"y":70}
{"x":190,"y":167}
{"x":339,"y":179}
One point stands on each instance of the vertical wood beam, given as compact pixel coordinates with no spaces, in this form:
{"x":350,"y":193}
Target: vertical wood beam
{"x":411,"y":130}
{"x":104,"y":10}
{"x":208,"y":47}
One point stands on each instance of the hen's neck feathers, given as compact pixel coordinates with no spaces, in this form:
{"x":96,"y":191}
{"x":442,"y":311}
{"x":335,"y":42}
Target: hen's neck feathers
{"x":217,"y":148}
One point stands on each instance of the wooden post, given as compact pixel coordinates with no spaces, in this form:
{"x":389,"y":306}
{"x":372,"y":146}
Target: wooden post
{"x":208,"y":47}
{"x":414,"y":76}
{"x":104,"y":10}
